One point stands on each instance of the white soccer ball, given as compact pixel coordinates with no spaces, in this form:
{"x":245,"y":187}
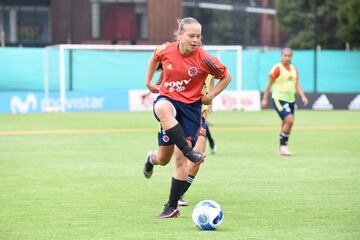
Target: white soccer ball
{"x":207,"y":215}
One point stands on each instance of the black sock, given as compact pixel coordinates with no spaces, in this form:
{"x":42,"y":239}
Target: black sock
{"x":189,"y":181}
{"x":284,"y":138}
{"x":176,"y":134}
{"x":177,"y":187}
{"x":209,"y":137}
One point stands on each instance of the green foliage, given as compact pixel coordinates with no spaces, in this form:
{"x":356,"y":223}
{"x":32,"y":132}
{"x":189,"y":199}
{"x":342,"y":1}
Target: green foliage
{"x":337,"y":23}
{"x":227,"y":27}
{"x":349,"y":22}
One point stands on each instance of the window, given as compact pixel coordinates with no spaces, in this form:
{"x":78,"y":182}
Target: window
{"x":25,"y":25}
{"x":119,"y":19}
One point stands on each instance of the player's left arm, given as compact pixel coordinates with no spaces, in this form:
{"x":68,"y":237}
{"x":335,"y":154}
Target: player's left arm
{"x":300,"y":91}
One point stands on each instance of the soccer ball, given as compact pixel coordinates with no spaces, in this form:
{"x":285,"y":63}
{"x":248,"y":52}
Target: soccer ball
{"x":207,"y":215}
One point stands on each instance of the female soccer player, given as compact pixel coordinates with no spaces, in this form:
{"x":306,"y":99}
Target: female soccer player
{"x":200,"y":145}
{"x":178,"y":107}
{"x":284,"y":81}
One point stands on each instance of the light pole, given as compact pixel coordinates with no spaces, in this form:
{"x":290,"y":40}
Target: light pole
{"x":315,"y":44}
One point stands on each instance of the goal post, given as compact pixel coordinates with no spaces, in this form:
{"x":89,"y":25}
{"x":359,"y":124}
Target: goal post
{"x":59,"y":55}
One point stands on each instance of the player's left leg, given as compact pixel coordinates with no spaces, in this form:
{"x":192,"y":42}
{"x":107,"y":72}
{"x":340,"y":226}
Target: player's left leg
{"x":160,"y":156}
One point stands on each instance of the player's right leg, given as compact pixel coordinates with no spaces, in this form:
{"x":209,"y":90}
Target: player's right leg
{"x":165,"y":112}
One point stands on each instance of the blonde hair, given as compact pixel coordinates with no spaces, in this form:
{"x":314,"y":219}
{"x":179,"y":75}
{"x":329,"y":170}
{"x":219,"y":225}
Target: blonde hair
{"x":181,"y":23}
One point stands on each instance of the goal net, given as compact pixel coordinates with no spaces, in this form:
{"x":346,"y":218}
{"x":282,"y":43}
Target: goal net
{"x":71,"y":68}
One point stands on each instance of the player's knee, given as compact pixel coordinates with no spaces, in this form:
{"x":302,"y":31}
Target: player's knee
{"x":163,"y":109}
{"x":289,"y":119}
{"x":163,"y":161}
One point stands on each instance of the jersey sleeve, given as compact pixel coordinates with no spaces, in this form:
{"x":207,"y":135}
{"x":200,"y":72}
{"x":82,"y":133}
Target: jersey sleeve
{"x":274,"y":72}
{"x":159,"y":52}
{"x":214,"y":67}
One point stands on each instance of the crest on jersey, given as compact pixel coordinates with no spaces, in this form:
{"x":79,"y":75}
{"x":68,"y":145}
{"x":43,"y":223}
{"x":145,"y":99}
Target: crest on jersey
{"x":165,"y":138}
{"x":192,"y":71}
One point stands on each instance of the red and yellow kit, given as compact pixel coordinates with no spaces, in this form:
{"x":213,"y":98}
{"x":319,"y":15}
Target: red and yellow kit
{"x":184,"y":76}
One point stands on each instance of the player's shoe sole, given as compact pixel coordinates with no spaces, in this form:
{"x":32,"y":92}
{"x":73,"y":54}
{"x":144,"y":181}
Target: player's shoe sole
{"x":169,"y":212}
{"x":148,"y":167}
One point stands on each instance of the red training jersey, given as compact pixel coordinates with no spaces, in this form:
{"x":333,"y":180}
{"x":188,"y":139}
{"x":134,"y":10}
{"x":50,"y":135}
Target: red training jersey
{"x":184,"y":76}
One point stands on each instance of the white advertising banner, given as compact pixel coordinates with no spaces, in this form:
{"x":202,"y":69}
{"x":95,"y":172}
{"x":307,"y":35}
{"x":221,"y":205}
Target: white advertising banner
{"x":237,"y":100}
{"x":140,"y":100}
{"x":226,"y":101}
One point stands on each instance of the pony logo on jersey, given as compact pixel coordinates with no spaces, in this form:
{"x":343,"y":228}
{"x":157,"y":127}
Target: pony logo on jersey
{"x":192,"y":71}
{"x":177,"y":86}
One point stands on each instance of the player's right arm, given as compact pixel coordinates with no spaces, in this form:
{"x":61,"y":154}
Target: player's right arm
{"x":274,"y":73}
{"x":265,"y":98}
{"x":152,"y":66}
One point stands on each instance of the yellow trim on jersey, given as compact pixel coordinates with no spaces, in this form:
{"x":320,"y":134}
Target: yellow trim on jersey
{"x":205,"y":90}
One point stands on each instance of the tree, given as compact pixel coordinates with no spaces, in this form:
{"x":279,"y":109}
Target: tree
{"x":296,"y":21}
{"x":349,"y":22}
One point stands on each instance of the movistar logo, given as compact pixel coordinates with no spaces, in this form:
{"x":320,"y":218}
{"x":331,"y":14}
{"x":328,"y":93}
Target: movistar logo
{"x":19,"y":106}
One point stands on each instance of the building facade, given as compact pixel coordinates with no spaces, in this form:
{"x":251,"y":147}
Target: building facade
{"x":48,"y":22}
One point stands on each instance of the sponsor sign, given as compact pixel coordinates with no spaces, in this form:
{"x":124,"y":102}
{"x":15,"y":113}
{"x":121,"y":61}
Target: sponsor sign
{"x":322,"y":103}
{"x":228,"y":100}
{"x":237,"y":100}
{"x":355,"y":103}
{"x":29,"y":102}
{"x":141,"y":100}
{"x":329,"y":101}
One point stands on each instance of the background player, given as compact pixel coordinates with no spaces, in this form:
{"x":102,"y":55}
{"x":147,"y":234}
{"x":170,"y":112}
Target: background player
{"x":284,"y":81}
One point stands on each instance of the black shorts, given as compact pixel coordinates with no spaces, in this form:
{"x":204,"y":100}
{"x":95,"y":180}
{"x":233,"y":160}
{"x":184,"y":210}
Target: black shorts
{"x":188,"y":116}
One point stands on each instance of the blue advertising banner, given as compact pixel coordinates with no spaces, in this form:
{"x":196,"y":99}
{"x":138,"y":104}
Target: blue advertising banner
{"x":76,"y":101}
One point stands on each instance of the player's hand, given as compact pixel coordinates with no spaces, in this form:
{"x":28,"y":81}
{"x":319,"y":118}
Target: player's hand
{"x":305,"y":101}
{"x":209,"y":109}
{"x":152,"y":87}
{"x":264,"y":103}
{"x":145,"y":95}
{"x":206,"y":99}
